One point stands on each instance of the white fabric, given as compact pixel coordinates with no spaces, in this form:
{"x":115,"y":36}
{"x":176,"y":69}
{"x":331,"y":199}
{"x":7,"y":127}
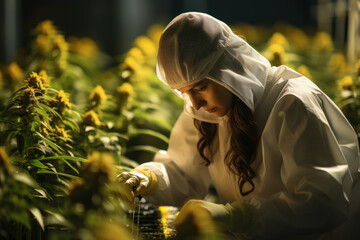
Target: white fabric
{"x":308,"y":155}
{"x":195,"y":46}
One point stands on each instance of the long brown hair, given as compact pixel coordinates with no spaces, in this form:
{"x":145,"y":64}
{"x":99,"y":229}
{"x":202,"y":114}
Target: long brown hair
{"x":244,"y":139}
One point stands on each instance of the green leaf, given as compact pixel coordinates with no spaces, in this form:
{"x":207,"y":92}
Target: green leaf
{"x":45,"y":149}
{"x":38,"y":164}
{"x":50,"y":143}
{"x":136,"y":132}
{"x":73,"y":114}
{"x":43,"y":114}
{"x":37,"y":214}
{"x":72,"y":167}
{"x":43,"y":171}
{"x":13,"y":96}
{"x":145,"y":148}
{"x":152,"y":119}
{"x":77,"y":159}
{"x":50,"y":110}
{"x":122,"y":168}
{"x":21,"y":177}
{"x":57,"y":219}
{"x":72,"y":124}
{"x":43,"y":193}
{"x":128,"y":162}
{"x":113,"y":134}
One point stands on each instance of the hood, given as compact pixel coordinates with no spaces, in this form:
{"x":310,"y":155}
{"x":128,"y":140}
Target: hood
{"x":195,"y":46}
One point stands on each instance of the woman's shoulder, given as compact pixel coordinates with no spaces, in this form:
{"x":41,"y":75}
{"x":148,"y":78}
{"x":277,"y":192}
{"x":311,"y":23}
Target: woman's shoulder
{"x":296,"y":86}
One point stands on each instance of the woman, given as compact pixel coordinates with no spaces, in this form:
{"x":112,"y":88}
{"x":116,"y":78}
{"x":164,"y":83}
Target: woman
{"x":281,"y":155}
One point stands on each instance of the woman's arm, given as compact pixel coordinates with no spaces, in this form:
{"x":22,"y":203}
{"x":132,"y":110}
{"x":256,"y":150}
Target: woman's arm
{"x":180,"y":170}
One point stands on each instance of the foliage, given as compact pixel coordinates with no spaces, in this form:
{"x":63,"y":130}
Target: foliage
{"x":19,"y":199}
{"x":68,"y":132}
{"x":349,"y":98}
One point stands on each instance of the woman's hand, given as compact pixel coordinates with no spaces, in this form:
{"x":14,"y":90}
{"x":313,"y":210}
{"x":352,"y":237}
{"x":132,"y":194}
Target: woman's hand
{"x":137,"y":182}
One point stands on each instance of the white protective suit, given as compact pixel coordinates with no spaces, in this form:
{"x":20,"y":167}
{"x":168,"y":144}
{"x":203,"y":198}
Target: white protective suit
{"x":307,"y":157}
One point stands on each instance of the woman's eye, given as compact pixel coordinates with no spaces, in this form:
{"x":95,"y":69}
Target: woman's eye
{"x":202,"y":88}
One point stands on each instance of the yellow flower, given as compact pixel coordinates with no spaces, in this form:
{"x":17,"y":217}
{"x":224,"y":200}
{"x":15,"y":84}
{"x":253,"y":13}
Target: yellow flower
{"x":61,"y":101}
{"x":61,"y":62}
{"x":126,"y":89}
{"x":75,"y":184}
{"x":136,"y":54}
{"x":276,"y":49}
{"x":61,"y":132}
{"x":46,"y":27}
{"x":278,"y":39}
{"x":78,"y":191}
{"x":323,"y":42}
{"x":44,"y":130}
{"x":346,"y":83}
{"x":5,"y":162}
{"x":298,"y":38}
{"x":99,"y":167}
{"x":142,"y":77}
{"x":154,"y":33}
{"x":34,"y":81}
{"x":276,"y":54}
{"x":15,"y":72}
{"x":146,"y":46}
{"x":60,"y":43}
{"x":85,"y":47}
{"x":249,"y":32}
{"x":130,"y":64}
{"x":304,"y":71}
{"x":91,"y":119}
{"x":28,"y":97}
{"x":43,"y":43}
{"x":44,"y":77}
{"x":338,"y":64}
{"x":98,"y":95}
{"x":125,"y":93}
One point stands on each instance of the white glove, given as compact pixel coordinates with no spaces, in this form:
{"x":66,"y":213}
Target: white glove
{"x":137,"y":182}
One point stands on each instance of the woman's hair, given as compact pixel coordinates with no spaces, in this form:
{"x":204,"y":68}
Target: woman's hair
{"x":244,"y":139}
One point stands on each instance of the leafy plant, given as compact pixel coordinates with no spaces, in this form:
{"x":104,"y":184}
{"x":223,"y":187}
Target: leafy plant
{"x":349,"y":98}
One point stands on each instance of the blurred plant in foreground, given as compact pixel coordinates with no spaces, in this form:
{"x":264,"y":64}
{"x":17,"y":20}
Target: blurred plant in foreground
{"x":349,"y":99}
{"x":93,"y":204}
{"x":19,"y":200}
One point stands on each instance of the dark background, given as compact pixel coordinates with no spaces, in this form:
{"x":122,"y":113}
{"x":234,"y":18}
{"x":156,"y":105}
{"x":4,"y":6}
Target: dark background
{"x":114,"y":24}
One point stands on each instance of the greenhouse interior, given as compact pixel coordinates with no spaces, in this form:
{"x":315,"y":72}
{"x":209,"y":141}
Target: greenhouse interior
{"x":87,"y":109}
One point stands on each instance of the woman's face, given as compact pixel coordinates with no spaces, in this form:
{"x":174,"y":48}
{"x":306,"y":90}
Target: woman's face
{"x":210,"y":96}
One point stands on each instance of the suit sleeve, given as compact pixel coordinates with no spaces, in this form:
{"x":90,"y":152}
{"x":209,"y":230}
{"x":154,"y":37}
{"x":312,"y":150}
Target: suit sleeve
{"x":181,"y":172}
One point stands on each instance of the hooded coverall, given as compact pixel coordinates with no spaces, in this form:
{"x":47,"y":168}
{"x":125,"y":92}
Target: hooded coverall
{"x":307,"y":158}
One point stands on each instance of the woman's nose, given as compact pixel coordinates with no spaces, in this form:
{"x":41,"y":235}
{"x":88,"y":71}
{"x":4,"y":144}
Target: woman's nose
{"x":197,"y":102}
